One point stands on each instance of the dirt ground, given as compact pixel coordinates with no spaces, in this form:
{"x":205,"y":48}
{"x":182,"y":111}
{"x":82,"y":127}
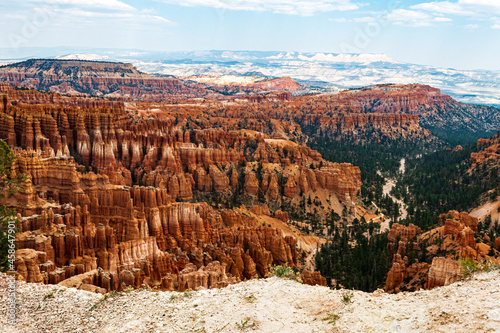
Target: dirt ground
{"x":266,"y":305}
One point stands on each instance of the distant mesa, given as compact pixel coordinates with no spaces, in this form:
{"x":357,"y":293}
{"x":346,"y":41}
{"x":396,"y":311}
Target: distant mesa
{"x":93,"y":75}
{"x":95,"y":78}
{"x":438,"y":112}
{"x":323,"y":70}
{"x":249,"y":82}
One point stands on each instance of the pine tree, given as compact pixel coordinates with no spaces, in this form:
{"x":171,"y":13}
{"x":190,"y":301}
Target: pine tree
{"x":8,"y":185}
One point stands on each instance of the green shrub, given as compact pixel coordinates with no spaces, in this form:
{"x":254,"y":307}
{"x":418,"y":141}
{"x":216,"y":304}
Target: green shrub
{"x":331,"y":317}
{"x":347,"y":296}
{"x":49,"y":295}
{"x":468,"y":266}
{"x":242,"y":324}
{"x":281,"y":270}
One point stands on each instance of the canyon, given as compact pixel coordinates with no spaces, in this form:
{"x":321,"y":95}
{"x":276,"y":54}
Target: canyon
{"x":113,"y":201}
{"x":138,"y":180}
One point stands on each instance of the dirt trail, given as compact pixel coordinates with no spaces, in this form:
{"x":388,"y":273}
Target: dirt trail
{"x":310,"y":264}
{"x":386,"y":190}
{"x":402,"y":166}
{"x":490,"y":208}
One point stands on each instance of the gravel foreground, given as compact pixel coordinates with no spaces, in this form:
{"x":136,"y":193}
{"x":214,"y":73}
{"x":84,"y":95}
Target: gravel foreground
{"x":267,"y":305}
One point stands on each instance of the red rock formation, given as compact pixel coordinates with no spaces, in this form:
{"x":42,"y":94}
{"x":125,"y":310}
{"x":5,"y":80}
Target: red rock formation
{"x":128,"y":244}
{"x":313,"y":278}
{"x":290,"y":188}
{"x":390,"y":98}
{"x":404,"y":233}
{"x":455,"y":238}
{"x":26,"y":263}
{"x":103,"y":184}
{"x":442,"y":272}
{"x":90,"y":77}
{"x":211,"y":276}
{"x":347,"y":125}
{"x":405,"y":276}
{"x":283,"y":216}
{"x":251,"y":183}
{"x":283,"y":83}
{"x":488,"y":153}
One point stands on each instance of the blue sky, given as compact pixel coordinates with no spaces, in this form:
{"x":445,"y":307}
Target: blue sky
{"x":462,"y":34}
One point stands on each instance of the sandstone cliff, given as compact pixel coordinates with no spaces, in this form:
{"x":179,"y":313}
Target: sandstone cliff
{"x":80,"y":77}
{"x":436,"y":110}
{"x":439,"y":250}
{"x":488,"y":152}
{"x":101,"y":211}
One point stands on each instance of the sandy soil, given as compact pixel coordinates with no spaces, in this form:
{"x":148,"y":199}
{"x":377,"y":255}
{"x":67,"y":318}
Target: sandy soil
{"x":306,"y":243}
{"x":280,"y":142}
{"x":487,"y":209}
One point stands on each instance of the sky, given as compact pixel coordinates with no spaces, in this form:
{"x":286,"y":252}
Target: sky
{"x":460,"y":34}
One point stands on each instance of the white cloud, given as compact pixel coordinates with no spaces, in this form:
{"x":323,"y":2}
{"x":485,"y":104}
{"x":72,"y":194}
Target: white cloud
{"x":495,"y":26}
{"x":15,"y":16}
{"x":410,"y":18}
{"x":89,"y":11}
{"x":103,"y":4}
{"x":478,"y":10}
{"x":461,"y":7}
{"x":482,"y":6}
{"x":444,"y":7}
{"x":493,"y":3}
{"x":138,"y":16}
{"x":442,"y":19}
{"x":292,"y":7}
{"x":361,"y":58}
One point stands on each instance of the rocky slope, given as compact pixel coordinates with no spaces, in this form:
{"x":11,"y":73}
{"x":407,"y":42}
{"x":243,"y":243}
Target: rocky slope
{"x":438,"y":250}
{"x":316,"y":115}
{"x":488,"y":153}
{"x":270,"y":305}
{"x":437,"y":111}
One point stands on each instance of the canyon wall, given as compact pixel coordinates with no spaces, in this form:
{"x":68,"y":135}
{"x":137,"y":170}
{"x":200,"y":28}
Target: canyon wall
{"x":113,"y":200}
